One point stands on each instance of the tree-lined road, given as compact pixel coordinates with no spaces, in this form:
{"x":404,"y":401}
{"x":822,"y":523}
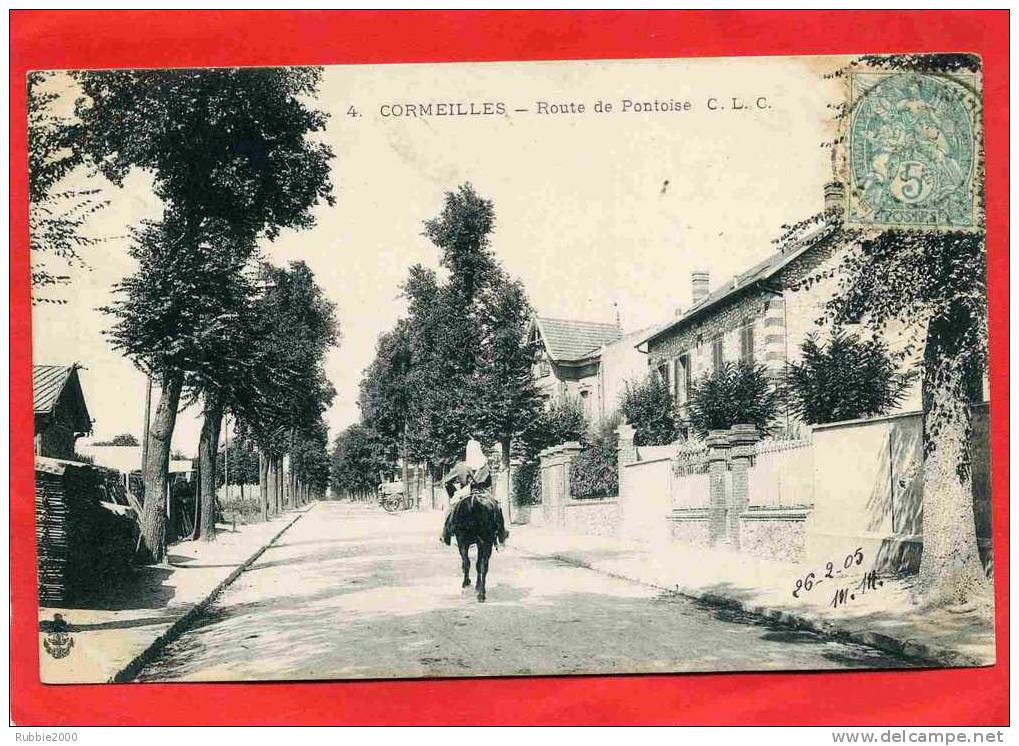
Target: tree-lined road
{"x":353,"y":592}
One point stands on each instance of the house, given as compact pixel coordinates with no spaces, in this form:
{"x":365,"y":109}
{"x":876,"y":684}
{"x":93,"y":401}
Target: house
{"x":588,"y":360}
{"x":61,"y":415}
{"x":762,"y":315}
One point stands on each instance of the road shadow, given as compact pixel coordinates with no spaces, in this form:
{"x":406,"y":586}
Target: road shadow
{"x":370,"y":614}
{"x":137,"y":588}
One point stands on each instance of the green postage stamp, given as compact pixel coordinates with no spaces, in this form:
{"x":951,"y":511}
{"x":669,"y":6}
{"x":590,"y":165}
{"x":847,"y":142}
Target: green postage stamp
{"x":913,"y":148}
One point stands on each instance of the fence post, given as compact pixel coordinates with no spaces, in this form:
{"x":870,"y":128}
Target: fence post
{"x":742,"y":440}
{"x":718,"y":444}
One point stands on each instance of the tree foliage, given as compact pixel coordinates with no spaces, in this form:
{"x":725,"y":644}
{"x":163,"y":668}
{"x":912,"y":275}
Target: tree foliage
{"x":225,"y":145}
{"x":595,"y":473}
{"x":122,"y":439}
{"x":232,"y":158}
{"x":560,"y":421}
{"x":737,"y":393}
{"x":238,"y":462}
{"x":57,"y":216}
{"x":844,"y":379}
{"x":458,"y":365}
{"x":357,"y":459}
{"x":293,"y":329}
{"x":648,"y":407}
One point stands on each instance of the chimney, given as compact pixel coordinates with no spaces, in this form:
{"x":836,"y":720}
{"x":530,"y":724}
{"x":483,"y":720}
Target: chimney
{"x":834,"y":196}
{"x":699,"y":283}
{"x":678,"y":311}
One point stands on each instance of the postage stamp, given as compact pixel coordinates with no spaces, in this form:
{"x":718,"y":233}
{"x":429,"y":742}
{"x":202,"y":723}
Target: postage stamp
{"x":913,"y":144}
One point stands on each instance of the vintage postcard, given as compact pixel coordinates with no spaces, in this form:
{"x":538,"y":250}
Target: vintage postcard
{"x":517,"y":368}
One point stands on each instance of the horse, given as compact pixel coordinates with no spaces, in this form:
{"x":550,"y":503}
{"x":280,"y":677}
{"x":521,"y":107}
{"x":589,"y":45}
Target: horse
{"x":475,"y":520}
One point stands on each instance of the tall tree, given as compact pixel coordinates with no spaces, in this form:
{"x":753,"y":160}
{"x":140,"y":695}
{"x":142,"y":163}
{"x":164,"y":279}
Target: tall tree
{"x":287,"y":390}
{"x":459,"y":365}
{"x":507,"y":400}
{"x":933,"y":286}
{"x":231,"y":159}
{"x":387,"y":395}
{"x":357,"y":459}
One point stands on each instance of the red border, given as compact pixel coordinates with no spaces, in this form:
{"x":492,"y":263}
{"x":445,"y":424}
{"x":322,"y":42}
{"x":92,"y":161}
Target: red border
{"x":64,"y":39}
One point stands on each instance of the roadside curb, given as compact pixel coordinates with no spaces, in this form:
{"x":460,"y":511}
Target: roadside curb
{"x":909,"y":648}
{"x":134,"y":667}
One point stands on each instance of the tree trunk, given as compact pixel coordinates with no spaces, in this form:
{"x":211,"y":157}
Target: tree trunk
{"x":294,"y":494}
{"x":208,"y":448}
{"x":279,"y":485}
{"x":950,"y":568}
{"x":406,"y":474}
{"x":271,"y":484}
{"x":263,"y":484}
{"x":508,"y":477}
{"x":153,"y":520}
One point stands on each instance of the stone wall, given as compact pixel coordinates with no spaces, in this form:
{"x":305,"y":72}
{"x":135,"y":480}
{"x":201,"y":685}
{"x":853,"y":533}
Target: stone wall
{"x":855,"y":484}
{"x":690,"y":526}
{"x":592,"y":517}
{"x":869,"y":489}
{"x":774,"y":534}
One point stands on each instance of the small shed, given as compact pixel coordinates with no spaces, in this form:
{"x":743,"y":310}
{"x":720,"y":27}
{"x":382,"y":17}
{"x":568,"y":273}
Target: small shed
{"x":61,"y":415}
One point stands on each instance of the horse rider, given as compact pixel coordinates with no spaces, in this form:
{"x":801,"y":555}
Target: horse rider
{"x":471,"y":476}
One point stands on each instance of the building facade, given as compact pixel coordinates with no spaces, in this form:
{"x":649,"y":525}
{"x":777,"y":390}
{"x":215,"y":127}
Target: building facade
{"x":760,"y":316}
{"x":588,"y":361}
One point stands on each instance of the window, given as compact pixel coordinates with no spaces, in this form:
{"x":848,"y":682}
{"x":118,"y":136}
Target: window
{"x":746,"y":343}
{"x":717,"y":354}
{"x":585,"y":403}
{"x":543,"y":368}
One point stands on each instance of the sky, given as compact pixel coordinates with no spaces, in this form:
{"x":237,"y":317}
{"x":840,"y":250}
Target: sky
{"x":595,"y":211}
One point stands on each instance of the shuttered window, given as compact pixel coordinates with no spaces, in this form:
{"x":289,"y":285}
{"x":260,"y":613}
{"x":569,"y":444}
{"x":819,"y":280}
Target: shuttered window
{"x":746,"y":338}
{"x":717,"y":354}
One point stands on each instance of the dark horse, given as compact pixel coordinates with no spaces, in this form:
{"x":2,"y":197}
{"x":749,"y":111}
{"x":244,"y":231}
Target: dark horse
{"x":476,"y":519}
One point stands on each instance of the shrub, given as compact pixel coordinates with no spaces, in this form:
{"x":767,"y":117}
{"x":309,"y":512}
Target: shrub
{"x":737,"y":393}
{"x":649,"y":408}
{"x":845,"y":379}
{"x":241,"y":511}
{"x":527,"y":483}
{"x":561,"y":422}
{"x":595,"y":473}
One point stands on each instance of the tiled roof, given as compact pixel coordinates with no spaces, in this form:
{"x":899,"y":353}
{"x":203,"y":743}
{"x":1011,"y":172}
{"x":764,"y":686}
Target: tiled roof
{"x":47,"y":383}
{"x":763,"y":270}
{"x":567,"y":340}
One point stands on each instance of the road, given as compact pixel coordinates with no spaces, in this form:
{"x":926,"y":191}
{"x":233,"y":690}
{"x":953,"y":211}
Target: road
{"x":353,"y":592}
